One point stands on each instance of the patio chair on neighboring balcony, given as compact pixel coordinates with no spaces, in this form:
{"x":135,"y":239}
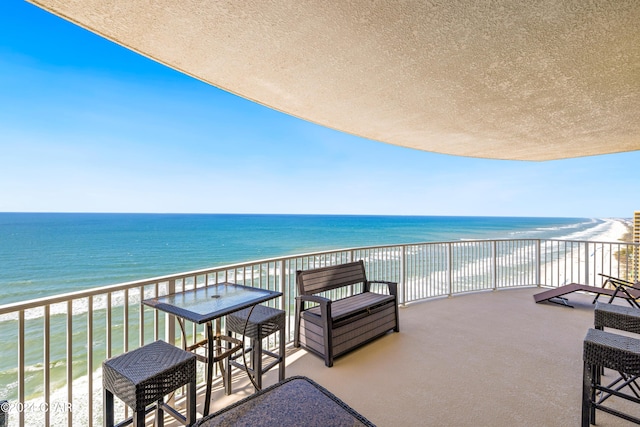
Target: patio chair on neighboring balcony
{"x":620,"y":288}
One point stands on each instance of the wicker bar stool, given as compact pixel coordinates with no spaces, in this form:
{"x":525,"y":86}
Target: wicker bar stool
{"x":144,"y":376}
{"x":617,"y":352}
{"x":617,"y":317}
{"x":263,"y":322}
{"x":623,"y":318}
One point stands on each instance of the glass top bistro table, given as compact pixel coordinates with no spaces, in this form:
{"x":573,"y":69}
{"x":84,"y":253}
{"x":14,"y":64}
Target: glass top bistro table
{"x":206,"y":304}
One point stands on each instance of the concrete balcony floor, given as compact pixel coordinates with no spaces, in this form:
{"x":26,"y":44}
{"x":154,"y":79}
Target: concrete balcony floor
{"x":482,"y":359}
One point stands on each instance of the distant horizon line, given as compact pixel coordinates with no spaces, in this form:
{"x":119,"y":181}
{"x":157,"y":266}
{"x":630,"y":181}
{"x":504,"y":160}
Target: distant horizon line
{"x":300,"y":214}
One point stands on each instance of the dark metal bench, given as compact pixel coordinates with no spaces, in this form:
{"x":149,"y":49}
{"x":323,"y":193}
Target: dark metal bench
{"x":332,"y":328}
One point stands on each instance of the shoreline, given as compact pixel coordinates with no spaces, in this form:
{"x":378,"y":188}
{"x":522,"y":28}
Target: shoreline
{"x":570,"y":268}
{"x":617,"y":231}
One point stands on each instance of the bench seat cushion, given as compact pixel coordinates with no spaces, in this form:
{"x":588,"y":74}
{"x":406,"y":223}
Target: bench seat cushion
{"x":351,"y":306}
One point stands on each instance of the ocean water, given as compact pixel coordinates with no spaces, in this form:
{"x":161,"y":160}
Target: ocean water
{"x":43,"y":254}
{"x":47,"y":254}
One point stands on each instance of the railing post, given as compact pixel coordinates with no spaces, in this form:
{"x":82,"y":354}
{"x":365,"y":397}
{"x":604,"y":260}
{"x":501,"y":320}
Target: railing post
{"x":635,"y":260}
{"x":450,"y":269}
{"x":21,"y":356}
{"x":283,"y":288}
{"x":108,"y":333}
{"x":125,"y":321}
{"x":90,"y":358}
{"x":403,"y":275}
{"x":170,"y":320}
{"x":538,"y":262}
{"x":586,"y":263}
{"x":494,"y":265}
{"x":47,"y":362}
{"x":69,"y":362}
{"x":141,"y":318}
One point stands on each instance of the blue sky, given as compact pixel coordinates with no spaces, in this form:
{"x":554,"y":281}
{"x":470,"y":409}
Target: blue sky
{"x":88,"y":126}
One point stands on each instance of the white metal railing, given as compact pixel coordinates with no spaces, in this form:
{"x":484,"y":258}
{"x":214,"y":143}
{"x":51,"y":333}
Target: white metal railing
{"x":62,"y":340}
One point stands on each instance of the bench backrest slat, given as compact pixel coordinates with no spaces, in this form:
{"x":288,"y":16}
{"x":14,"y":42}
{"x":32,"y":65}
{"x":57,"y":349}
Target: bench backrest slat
{"x":328,"y":278}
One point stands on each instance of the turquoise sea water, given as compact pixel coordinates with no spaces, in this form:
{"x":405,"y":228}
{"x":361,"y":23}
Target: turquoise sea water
{"x":47,"y":254}
{"x":43,"y":254}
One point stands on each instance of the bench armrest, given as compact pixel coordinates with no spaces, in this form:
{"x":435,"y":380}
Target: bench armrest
{"x":393,"y":286}
{"x":324,"y":303}
{"x":313,"y":298}
{"x":325,"y":315}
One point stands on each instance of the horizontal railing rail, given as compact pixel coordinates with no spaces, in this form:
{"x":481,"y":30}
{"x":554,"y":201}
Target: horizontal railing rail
{"x":53,"y":375}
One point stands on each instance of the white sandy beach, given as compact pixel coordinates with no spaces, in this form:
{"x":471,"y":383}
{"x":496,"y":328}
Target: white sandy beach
{"x":583,"y":263}
{"x":612,"y":231}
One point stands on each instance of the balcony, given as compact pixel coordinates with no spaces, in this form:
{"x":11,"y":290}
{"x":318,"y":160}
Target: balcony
{"x":489,"y":358}
{"x":474,"y":348}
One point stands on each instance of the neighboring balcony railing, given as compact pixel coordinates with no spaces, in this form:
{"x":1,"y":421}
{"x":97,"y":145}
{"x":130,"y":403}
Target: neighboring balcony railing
{"x":50,"y":363}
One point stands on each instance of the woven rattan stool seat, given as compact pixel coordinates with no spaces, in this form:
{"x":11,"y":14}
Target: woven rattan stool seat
{"x":607,"y":350}
{"x":617,"y":317}
{"x":613,"y":351}
{"x":145,"y":375}
{"x":263,"y":322}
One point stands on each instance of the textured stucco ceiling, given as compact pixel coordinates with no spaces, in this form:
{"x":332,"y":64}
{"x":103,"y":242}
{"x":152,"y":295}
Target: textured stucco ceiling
{"x":511,"y":79}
